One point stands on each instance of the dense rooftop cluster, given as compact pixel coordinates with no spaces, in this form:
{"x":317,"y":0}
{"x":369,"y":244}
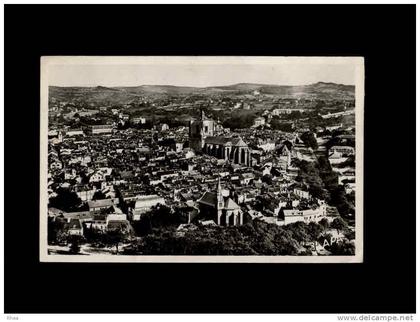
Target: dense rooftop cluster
{"x":110,"y":169}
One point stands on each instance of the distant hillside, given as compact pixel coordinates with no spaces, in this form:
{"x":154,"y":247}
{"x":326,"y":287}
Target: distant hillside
{"x":158,"y":89}
{"x":124,"y":95}
{"x":99,"y":94}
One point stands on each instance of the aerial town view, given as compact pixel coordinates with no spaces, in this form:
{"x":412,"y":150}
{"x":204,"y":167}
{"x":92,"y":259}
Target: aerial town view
{"x":244,"y":168}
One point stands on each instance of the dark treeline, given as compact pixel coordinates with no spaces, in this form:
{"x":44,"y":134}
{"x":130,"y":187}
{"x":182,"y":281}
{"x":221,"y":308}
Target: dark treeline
{"x":159,"y":236}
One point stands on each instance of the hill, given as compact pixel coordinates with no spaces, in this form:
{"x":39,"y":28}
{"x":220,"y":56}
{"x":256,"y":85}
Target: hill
{"x":124,"y":95}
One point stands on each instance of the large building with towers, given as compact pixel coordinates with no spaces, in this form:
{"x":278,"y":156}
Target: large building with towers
{"x":220,"y":208}
{"x":203,"y":138}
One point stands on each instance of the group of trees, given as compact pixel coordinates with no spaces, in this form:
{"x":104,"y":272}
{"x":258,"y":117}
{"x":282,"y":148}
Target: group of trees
{"x":155,"y":116}
{"x":251,"y":239}
{"x":318,"y":232}
{"x":159,"y":236}
{"x":323,"y":184}
{"x":58,"y":235}
{"x":240,"y":120}
{"x":98,"y":195}
{"x":65,"y":200}
{"x":159,"y":217}
{"x":56,"y":232}
{"x":254,"y":238}
{"x":74,"y":244}
{"x":342,"y":248}
{"x":109,"y":238}
{"x":279,"y":125}
{"x":337,"y":195}
{"x":309,"y":140}
{"x":314,"y":120}
{"x":309,"y":175}
{"x":295,"y":115}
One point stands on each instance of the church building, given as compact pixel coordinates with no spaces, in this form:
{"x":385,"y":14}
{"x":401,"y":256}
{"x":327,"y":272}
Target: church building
{"x":203,"y":139}
{"x":218,"y":206}
{"x":199,"y":130}
{"x":233,"y":149}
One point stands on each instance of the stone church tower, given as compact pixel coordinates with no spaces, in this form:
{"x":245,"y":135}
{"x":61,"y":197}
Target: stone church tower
{"x":199,"y":130}
{"x":220,"y":208}
{"x":220,"y":200}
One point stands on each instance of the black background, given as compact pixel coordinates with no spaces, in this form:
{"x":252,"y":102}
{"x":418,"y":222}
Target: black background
{"x":384,"y":35}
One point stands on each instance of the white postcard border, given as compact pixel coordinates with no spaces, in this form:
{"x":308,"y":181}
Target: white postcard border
{"x":47,"y":61}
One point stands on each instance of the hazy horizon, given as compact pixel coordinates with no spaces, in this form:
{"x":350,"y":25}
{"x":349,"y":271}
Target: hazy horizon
{"x":200,"y":73}
{"x":245,"y":83}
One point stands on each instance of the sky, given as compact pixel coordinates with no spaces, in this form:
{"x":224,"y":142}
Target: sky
{"x":199,"y":73}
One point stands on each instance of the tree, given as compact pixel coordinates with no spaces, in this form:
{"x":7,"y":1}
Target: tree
{"x":323,"y":164}
{"x":98,"y":195}
{"x":65,"y":200}
{"x":324,"y":223}
{"x":277,"y":124}
{"x":162,"y":216}
{"x":309,"y":140}
{"x":267,"y":179}
{"x":55,"y":229}
{"x":314,"y":231}
{"x":299,"y":231}
{"x":343,"y":248}
{"x":241,"y":119}
{"x":350,"y":234}
{"x":339,"y":224}
{"x":94,"y":236}
{"x":256,"y":238}
{"x":115,"y":237}
{"x":337,"y":196}
{"x":339,"y":200}
{"x":159,"y":216}
{"x":316,"y":190}
{"x":309,"y":174}
{"x":74,"y":244}
{"x":305,"y":252}
{"x":62,"y":237}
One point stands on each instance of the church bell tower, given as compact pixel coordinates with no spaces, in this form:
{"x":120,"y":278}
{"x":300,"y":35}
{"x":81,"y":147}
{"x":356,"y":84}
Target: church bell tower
{"x":220,"y":201}
{"x":199,"y":130}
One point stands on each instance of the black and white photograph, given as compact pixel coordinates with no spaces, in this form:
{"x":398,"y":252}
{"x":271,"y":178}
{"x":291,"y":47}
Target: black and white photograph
{"x":208,"y":159}
{"x":195,"y":161}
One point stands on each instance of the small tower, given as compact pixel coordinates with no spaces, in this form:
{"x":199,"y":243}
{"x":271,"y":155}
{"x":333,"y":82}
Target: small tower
{"x":199,"y":130}
{"x":219,"y":195}
{"x":220,"y":201}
